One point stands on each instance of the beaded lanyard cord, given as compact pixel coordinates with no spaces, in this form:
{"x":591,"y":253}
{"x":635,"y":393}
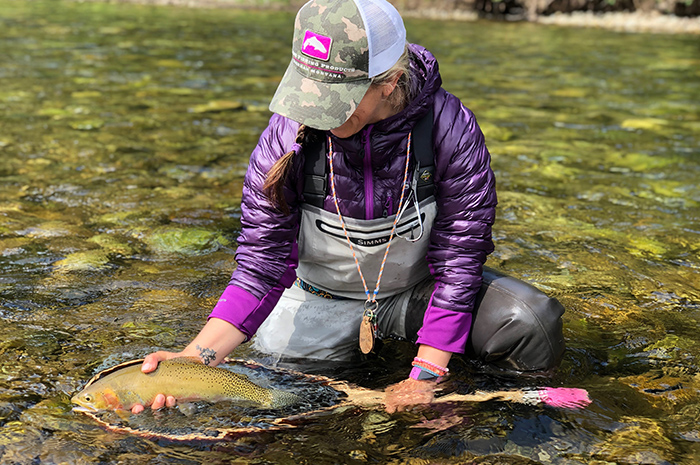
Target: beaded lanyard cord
{"x":368,"y":327}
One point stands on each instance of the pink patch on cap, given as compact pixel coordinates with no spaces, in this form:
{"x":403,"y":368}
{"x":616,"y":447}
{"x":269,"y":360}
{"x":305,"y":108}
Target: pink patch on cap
{"x":316,"y":46}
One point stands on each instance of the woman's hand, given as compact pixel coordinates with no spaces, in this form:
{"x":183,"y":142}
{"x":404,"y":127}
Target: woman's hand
{"x":412,"y":391}
{"x":150,"y":363}
{"x":160,"y":401}
{"x":216,"y":340}
{"x":407,"y":393}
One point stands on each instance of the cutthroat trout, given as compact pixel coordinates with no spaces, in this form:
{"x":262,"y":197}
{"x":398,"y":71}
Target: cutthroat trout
{"x":185,"y":379}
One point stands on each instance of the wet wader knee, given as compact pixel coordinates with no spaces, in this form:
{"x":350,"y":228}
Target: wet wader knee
{"x":516,"y":326}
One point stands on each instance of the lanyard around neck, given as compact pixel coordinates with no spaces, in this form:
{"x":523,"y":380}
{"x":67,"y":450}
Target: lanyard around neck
{"x":373,"y":299}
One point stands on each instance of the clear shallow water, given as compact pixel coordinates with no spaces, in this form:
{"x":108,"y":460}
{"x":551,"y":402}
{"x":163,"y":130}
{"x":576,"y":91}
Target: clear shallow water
{"x":124,"y":138}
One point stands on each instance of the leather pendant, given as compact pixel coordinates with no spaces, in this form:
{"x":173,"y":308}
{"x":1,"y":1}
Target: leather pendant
{"x":366,"y":334}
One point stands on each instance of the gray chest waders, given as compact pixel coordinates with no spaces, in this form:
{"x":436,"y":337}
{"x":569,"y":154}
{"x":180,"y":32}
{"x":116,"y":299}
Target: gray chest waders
{"x":325,"y":261}
{"x":516,"y":327}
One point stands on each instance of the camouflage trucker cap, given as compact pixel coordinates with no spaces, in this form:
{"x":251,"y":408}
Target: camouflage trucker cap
{"x":338,"y":47}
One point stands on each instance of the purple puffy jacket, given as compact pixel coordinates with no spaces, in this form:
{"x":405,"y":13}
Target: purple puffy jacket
{"x":461,"y":235}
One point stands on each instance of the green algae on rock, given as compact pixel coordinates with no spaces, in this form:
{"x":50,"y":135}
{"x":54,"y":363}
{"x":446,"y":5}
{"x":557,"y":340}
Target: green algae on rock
{"x":185,"y":241}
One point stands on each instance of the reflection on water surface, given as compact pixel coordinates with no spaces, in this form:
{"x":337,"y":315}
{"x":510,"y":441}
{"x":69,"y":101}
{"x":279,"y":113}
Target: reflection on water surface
{"x":125,"y":136}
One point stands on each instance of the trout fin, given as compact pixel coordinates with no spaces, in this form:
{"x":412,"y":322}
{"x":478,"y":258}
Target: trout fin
{"x":187,"y":408}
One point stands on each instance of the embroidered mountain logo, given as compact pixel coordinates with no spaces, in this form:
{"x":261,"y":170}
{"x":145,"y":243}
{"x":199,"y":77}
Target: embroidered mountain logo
{"x":316,"y":46}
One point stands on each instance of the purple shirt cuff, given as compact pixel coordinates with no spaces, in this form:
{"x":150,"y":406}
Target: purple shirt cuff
{"x":445,"y":329}
{"x":243,"y":310}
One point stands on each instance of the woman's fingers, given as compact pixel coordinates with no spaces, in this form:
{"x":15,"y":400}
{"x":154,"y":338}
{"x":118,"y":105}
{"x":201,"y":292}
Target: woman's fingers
{"x":408,"y":393}
{"x":138,"y":408}
{"x":150,"y":363}
{"x":158,"y":402}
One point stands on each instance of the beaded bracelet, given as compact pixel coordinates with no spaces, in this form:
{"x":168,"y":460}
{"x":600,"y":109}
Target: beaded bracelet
{"x":430,"y":366}
{"x":425,"y":370}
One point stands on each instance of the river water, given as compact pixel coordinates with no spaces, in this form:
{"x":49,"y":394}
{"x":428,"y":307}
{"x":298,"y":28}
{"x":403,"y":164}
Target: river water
{"x":124,"y":137}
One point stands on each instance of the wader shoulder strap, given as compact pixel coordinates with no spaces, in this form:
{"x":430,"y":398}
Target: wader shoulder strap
{"x":423,"y":151}
{"x":315,"y":175}
{"x":316,"y":167}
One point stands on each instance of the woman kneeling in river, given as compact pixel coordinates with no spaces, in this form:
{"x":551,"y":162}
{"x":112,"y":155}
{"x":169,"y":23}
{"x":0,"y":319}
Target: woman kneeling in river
{"x":367,"y":211}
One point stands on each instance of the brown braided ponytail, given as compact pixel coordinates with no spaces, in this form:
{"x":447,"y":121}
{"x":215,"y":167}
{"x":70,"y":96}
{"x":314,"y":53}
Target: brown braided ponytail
{"x":276,"y":177}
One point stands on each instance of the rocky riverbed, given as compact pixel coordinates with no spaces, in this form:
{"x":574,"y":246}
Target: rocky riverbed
{"x":626,"y":21}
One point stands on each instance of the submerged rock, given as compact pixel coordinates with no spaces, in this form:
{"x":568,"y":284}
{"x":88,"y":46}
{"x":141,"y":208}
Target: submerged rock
{"x":89,"y":260}
{"x":112,"y":244}
{"x":494,"y":132}
{"x":216,"y":106}
{"x":87,"y":125}
{"x":49,"y":229}
{"x":638,"y":440}
{"x":190,"y":241}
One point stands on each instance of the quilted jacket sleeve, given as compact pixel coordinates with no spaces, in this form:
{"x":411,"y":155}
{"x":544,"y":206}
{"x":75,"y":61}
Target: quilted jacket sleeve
{"x":266,"y":254}
{"x":465,"y":192}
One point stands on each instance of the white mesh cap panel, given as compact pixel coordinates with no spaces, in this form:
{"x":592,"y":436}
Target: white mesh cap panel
{"x":386,"y":34}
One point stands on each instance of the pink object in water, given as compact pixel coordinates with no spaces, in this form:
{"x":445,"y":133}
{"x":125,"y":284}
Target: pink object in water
{"x":564,"y":397}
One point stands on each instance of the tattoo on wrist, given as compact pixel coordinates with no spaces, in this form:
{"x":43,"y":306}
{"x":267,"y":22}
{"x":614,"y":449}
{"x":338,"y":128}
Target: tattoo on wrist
{"x":206,"y":354}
